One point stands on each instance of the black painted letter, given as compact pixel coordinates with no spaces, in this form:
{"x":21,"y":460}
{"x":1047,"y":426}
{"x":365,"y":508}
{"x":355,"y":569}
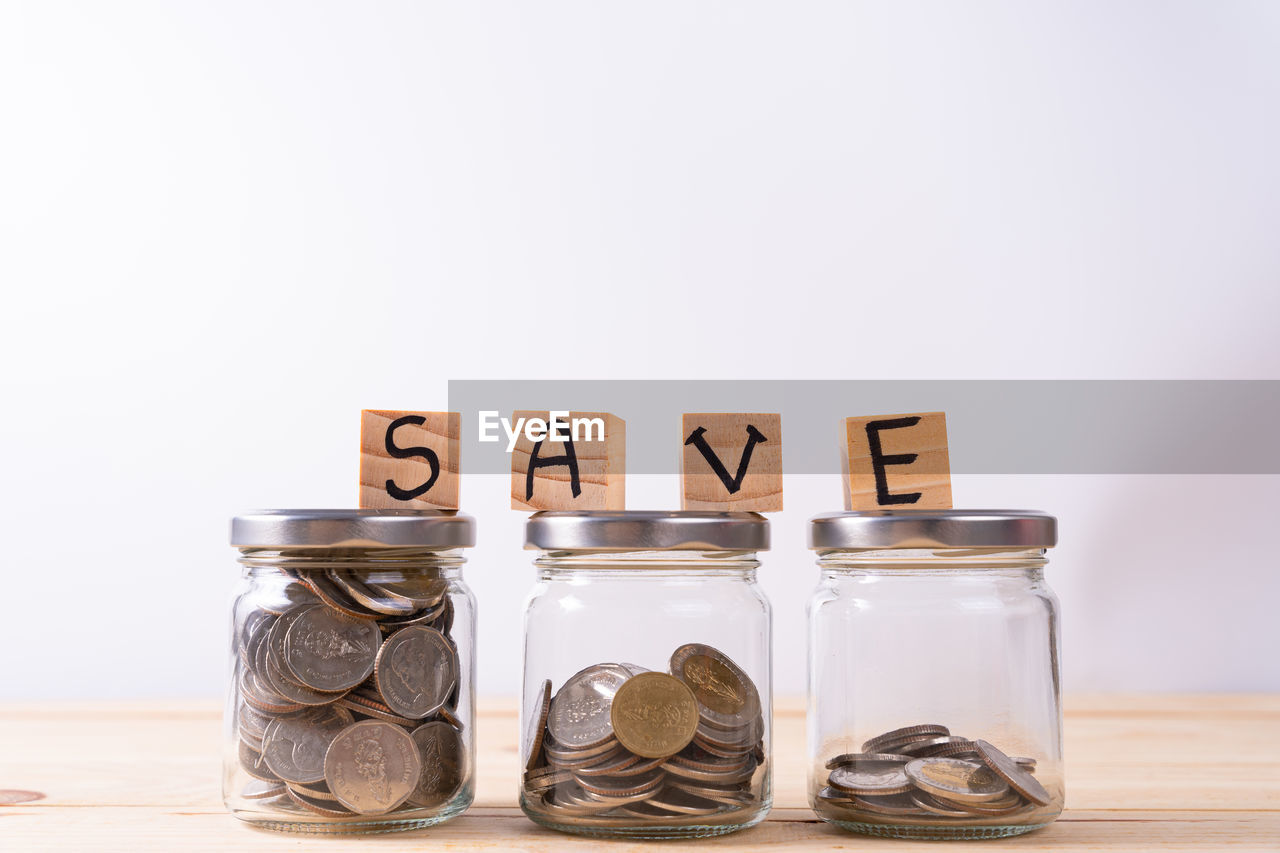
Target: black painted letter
{"x":570,"y":458}
{"x":754,"y":437}
{"x":879,"y":461}
{"x":408,"y":452}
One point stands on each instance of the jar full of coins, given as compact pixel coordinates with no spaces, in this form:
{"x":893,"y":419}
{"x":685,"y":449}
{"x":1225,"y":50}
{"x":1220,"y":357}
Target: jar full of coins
{"x":351,"y":702}
{"x":934,"y":698}
{"x":646,"y":674}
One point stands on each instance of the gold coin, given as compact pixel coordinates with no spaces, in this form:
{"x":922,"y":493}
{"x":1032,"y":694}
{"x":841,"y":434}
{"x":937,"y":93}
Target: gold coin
{"x":956,"y":781}
{"x":654,"y":715}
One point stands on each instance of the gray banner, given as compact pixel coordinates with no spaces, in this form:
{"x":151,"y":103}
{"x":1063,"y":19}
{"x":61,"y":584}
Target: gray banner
{"x":994,"y":426}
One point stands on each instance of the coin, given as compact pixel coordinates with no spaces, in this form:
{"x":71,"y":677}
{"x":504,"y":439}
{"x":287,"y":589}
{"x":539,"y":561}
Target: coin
{"x":326,"y":808}
{"x":584,"y":755}
{"x":548,"y":781}
{"x":252,"y":762}
{"x":873,"y":777}
{"x":280,"y":713}
{"x":834,"y":795}
{"x":372,"y":709}
{"x":416,"y":669}
{"x":934,"y":745}
{"x":627,"y":788}
{"x":368,"y":597}
{"x":654,"y":715}
{"x":898,"y":805}
{"x":663,"y":755}
{"x":420,"y":592}
{"x":1018,"y":778}
{"x":725,"y":694}
{"x":933,"y":805}
{"x":332,"y":595}
{"x":580,"y":711}
{"x":294,"y":747}
{"x":443,"y":764}
{"x":904,"y":735}
{"x":372,"y":767}
{"x":262,"y":790}
{"x":956,"y":780}
{"x":327,"y":650}
{"x":317,"y":791}
{"x":538,"y":719}
{"x":855,"y":757}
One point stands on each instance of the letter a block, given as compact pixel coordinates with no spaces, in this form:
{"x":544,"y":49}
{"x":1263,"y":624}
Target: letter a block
{"x":408,"y":460}
{"x":897,"y":462}
{"x":578,"y":462}
{"x":731,"y":462}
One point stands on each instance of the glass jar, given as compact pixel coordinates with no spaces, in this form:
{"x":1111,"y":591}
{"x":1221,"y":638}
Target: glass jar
{"x":647,"y":671}
{"x":351,"y":702}
{"x":934,"y":697}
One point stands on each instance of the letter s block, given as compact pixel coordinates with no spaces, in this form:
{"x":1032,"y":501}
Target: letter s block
{"x":409,"y":460}
{"x":897,"y":462}
{"x":587,"y":472}
{"x":731,"y":462}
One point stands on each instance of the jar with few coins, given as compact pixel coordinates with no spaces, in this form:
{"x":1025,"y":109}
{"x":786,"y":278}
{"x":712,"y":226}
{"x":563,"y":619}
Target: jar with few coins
{"x":351,"y":700}
{"x":935,"y":705}
{"x":646,"y":674}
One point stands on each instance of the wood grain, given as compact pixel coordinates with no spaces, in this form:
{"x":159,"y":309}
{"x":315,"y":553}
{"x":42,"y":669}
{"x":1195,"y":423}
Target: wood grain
{"x":439,"y":432}
{"x":602,"y":467}
{"x":923,"y":435}
{"x":727,"y":435}
{"x":1143,"y":772}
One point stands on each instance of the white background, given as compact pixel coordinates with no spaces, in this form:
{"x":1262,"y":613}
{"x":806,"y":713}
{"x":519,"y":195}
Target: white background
{"x":225,"y":227}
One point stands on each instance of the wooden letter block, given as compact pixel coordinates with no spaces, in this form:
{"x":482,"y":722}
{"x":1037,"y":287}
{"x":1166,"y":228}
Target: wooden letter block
{"x":579,"y":461}
{"x":408,"y":460}
{"x":732,"y":461}
{"x":897,"y":462}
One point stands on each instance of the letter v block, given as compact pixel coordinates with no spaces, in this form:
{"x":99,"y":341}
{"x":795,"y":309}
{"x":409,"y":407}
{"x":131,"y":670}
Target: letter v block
{"x":731,"y":462}
{"x":587,"y":470}
{"x":897,"y":462}
{"x":408,"y":460}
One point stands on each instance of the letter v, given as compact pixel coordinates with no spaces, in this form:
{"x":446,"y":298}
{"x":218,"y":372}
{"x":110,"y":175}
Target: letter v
{"x":733,"y":484}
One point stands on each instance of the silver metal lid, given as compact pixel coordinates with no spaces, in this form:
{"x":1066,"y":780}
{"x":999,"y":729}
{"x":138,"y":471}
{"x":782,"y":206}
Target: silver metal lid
{"x":353,"y":528}
{"x":940,"y":528}
{"x":634,"y":530}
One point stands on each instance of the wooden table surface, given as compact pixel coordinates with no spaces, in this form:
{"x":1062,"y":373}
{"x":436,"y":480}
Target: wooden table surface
{"x":1143,"y":772}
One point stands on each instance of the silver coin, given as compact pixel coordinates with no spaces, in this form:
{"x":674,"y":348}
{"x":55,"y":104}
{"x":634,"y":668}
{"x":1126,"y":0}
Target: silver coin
{"x":1018,"y":777}
{"x":327,"y":650}
{"x":444,"y":764}
{"x":855,"y":757}
{"x":367,"y":597}
{"x":891,"y":741}
{"x":537,"y":726}
{"x":580,"y":711}
{"x":294,"y":747}
{"x":372,"y":767}
{"x":873,"y":777}
{"x":416,"y":670}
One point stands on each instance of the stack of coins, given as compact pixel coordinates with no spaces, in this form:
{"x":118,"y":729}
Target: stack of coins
{"x":346,"y":693}
{"x":620,"y":744}
{"x":923,"y":772}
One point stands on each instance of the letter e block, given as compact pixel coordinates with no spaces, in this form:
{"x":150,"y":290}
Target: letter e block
{"x":587,"y":471}
{"x":897,"y":462}
{"x":731,"y":461}
{"x":409,"y":460}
